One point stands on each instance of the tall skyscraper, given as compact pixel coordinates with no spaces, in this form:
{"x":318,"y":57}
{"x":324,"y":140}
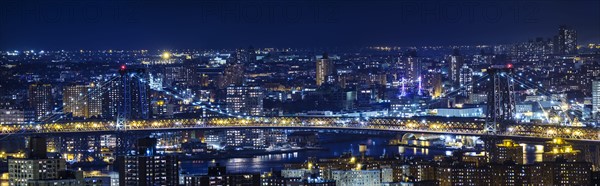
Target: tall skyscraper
{"x":414,"y":66}
{"x":82,"y":100}
{"x":112,"y":99}
{"x":245,"y":100}
{"x":567,"y":40}
{"x":465,"y":80}
{"x":40,"y":99}
{"x":325,"y":70}
{"x":456,"y":63}
{"x":596,"y":98}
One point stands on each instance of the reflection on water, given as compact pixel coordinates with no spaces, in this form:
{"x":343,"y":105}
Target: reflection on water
{"x":377,"y":146}
{"x":532,"y":153}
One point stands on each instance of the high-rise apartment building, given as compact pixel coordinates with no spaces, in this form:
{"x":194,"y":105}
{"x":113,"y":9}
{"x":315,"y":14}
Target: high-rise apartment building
{"x":433,"y":82}
{"x":94,"y":100}
{"x":40,"y":100}
{"x":465,"y":80}
{"x":325,"y":70}
{"x":146,"y":167}
{"x":456,"y":63}
{"x":23,"y":171}
{"x":414,"y":66}
{"x":180,"y":75}
{"x":248,"y":138}
{"x":75,"y":100}
{"x":596,"y":98}
{"x":82,"y":100}
{"x":245,"y":100}
{"x":112,"y":99}
{"x":567,"y":40}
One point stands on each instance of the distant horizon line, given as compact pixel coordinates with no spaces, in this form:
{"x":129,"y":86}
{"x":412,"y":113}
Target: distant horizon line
{"x":393,"y":47}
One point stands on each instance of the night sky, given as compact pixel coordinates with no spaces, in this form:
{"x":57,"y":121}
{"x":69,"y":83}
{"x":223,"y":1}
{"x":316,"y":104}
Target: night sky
{"x":181,"y":24}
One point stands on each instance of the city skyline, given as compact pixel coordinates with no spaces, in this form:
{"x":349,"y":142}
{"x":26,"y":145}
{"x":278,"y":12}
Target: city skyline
{"x":300,"y":93}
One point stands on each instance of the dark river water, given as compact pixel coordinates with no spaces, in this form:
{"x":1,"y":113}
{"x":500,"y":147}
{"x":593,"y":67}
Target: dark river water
{"x":377,"y":146}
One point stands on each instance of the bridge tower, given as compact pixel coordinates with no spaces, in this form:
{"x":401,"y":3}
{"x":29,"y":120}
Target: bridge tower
{"x":135,"y":103}
{"x":501,"y":98}
{"x":124,"y":111}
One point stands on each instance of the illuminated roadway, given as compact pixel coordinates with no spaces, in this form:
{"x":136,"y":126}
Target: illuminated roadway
{"x":470,"y":126}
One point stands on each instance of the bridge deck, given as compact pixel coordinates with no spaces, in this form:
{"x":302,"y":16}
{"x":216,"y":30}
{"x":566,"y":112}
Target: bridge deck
{"x":421,"y":125}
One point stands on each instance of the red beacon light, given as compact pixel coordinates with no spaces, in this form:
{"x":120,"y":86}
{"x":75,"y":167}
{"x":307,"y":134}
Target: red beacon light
{"x":509,"y":65}
{"x":122,"y":69}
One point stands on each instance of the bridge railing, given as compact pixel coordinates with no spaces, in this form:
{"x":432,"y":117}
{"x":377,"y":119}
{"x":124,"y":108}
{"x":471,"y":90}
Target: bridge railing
{"x":462,"y":127}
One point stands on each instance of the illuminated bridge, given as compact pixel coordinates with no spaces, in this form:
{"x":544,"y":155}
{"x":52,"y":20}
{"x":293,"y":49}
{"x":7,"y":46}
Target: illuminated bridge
{"x":440,"y":125}
{"x":501,"y":108}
